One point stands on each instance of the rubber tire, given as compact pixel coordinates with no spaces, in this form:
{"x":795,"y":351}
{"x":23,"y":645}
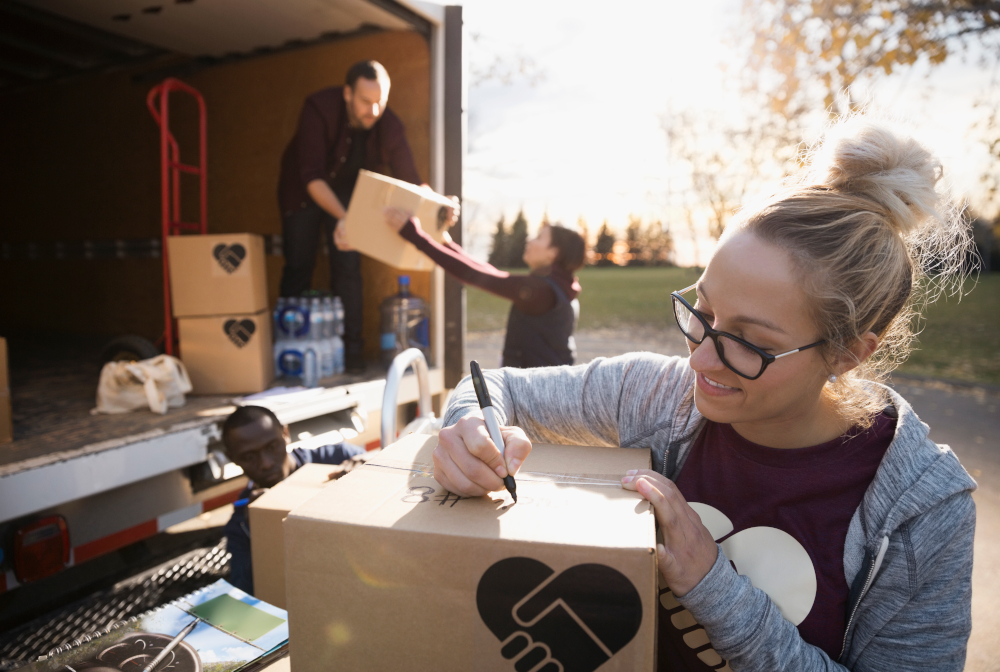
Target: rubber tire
{"x":128,"y":348}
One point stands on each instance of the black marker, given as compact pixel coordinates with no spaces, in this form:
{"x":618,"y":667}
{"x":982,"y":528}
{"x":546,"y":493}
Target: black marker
{"x":492,"y":426}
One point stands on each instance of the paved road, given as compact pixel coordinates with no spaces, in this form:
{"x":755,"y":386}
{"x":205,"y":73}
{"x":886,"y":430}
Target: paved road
{"x":967,"y":419}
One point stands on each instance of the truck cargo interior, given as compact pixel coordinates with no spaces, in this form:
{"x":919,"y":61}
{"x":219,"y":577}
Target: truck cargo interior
{"x":122,"y":497}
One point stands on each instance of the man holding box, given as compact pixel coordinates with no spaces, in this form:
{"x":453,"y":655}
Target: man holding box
{"x":256,"y":441}
{"x":342,"y":130}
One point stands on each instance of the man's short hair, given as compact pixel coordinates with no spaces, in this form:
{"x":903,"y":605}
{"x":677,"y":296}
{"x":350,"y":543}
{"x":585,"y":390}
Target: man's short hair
{"x":372,"y":70}
{"x":245,"y":415}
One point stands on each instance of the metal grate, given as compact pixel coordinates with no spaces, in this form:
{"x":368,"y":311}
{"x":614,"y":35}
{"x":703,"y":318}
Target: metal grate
{"x":129,"y":598}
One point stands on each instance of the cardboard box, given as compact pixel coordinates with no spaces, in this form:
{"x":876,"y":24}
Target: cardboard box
{"x":267,"y":512}
{"x":222,"y":274}
{"x":6,"y":414}
{"x":385,"y":570}
{"x":228,"y":354}
{"x":365,"y":222}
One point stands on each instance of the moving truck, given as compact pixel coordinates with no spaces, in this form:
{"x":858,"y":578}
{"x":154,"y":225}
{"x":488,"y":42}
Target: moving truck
{"x":81,"y":258}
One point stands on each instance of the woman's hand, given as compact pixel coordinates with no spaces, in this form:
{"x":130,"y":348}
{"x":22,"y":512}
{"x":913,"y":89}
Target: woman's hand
{"x":688,"y":550}
{"x":396,"y":219}
{"x":467,"y":462}
{"x":453,"y":213}
{"x":340,"y":239}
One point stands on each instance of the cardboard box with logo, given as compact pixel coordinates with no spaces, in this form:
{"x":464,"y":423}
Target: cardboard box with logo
{"x":218,"y":287}
{"x":222,"y":274}
{"x":228,"y":354}
{"x":267,"y":513}
{"x":385,"y":570}
{"x":365,"y":222}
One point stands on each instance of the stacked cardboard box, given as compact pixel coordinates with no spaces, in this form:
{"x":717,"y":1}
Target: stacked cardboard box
{"x":218,"y":287}
{"x":386,"y":570}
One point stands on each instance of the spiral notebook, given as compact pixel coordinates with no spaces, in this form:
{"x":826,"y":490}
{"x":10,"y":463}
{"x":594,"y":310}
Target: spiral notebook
{"x":216,"y":629}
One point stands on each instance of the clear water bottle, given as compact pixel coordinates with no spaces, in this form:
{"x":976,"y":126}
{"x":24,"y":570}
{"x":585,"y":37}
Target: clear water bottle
{"x":288,"y":358}
{"x":310,"y":365}
{"x":405,"y":323}
{"x":333,"y":334}
{"x":279,"y":308}
{"x":338,"y":315}
{"x":319,"y":337}
{"x":294,"y":321}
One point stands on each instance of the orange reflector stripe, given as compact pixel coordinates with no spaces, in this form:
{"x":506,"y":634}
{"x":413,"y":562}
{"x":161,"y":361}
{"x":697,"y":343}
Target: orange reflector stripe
{"x":113,"y":542}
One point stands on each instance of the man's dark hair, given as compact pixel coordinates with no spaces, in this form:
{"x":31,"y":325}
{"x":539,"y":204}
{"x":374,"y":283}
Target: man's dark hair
{"x":372,"y":70}
{"x":571,"y":246}
{"x":244,"y":415}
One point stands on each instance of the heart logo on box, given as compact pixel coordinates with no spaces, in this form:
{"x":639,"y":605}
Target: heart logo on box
{"x":571,"y":622}
{"x":229,"y":256}
{"x":239,"y":331}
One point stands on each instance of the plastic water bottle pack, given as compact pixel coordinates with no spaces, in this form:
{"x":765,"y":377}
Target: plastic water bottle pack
{"x":295,"y":352}
{"x":308,"y":343}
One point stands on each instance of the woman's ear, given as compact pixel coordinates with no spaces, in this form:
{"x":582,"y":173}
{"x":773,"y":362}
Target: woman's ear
{"x":862,"y":349}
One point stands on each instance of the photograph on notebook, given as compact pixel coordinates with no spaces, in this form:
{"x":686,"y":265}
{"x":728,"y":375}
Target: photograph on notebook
{"x":216,"y":629}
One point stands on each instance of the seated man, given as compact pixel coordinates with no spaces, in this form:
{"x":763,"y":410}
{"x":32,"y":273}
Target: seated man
{"x":257,"y":442}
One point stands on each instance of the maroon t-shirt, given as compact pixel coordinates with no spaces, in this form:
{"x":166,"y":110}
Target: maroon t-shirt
{"x":781,"y":516}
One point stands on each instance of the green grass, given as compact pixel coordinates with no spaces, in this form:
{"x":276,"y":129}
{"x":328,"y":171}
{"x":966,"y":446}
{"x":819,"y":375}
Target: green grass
{"x":611,"y":297}
{"x":960,"y":340}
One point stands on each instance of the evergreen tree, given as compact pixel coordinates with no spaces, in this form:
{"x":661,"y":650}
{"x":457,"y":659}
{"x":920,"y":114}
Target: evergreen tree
{"x":581,"y":224}
{"x":636,"y":241}
{"x":516,"y":241}
{"x":498,"y":253}
{"x":659,"y":244}
{"x":605,"y":245}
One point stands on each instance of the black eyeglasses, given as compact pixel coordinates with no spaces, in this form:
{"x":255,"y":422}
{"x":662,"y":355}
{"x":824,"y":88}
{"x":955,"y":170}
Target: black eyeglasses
{"x":742,"y":358}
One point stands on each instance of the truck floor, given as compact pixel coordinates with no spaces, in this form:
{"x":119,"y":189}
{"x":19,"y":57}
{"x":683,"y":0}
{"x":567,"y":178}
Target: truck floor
{"x":54,"y":387}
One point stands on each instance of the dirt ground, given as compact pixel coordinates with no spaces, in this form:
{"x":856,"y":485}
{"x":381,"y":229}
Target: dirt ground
{"x":486,"y":346}
{"x":964,"y":417}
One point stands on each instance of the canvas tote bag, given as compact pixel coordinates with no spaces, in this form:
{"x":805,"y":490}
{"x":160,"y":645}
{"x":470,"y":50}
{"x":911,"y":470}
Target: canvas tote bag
{"x":157,"y":383}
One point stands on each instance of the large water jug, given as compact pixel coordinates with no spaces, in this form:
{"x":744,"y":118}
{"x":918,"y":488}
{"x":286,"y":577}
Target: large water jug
{"x":405,"y":323}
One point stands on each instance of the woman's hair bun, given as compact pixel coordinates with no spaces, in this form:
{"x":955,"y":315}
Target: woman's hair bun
{"x":868,"y":159}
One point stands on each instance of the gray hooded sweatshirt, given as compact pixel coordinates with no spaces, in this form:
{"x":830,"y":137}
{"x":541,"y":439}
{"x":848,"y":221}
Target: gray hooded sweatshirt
{"x":908,"y":552}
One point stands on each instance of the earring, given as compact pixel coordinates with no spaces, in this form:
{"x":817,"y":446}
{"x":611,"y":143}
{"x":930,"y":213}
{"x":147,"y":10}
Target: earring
{"x":832,"y":378}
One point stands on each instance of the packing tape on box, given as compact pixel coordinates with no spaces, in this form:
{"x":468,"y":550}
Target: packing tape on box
{"x":599,"y":480}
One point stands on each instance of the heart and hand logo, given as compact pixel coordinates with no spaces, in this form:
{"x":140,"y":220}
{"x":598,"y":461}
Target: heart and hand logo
{"x":571,"y":622}
{"x":239,"y":331}
{"x":229,"y":256}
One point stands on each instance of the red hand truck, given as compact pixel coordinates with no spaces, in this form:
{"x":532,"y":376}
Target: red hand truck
{"x":171,"y":168}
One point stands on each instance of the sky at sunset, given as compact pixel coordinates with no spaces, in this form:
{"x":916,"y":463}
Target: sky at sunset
{"x":580,"y":133}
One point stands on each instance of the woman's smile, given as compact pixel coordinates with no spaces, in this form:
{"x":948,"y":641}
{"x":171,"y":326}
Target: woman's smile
{"x":715,"y":388}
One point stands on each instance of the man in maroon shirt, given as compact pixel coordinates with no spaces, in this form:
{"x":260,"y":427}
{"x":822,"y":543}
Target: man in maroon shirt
{"x":342,"y":129}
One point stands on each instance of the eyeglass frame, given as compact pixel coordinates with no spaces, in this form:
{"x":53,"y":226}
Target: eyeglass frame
{"x":767,"y":358}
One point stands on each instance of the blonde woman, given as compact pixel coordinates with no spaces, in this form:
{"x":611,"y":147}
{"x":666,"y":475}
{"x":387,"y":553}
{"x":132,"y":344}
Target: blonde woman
{"x":807,"y":521}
